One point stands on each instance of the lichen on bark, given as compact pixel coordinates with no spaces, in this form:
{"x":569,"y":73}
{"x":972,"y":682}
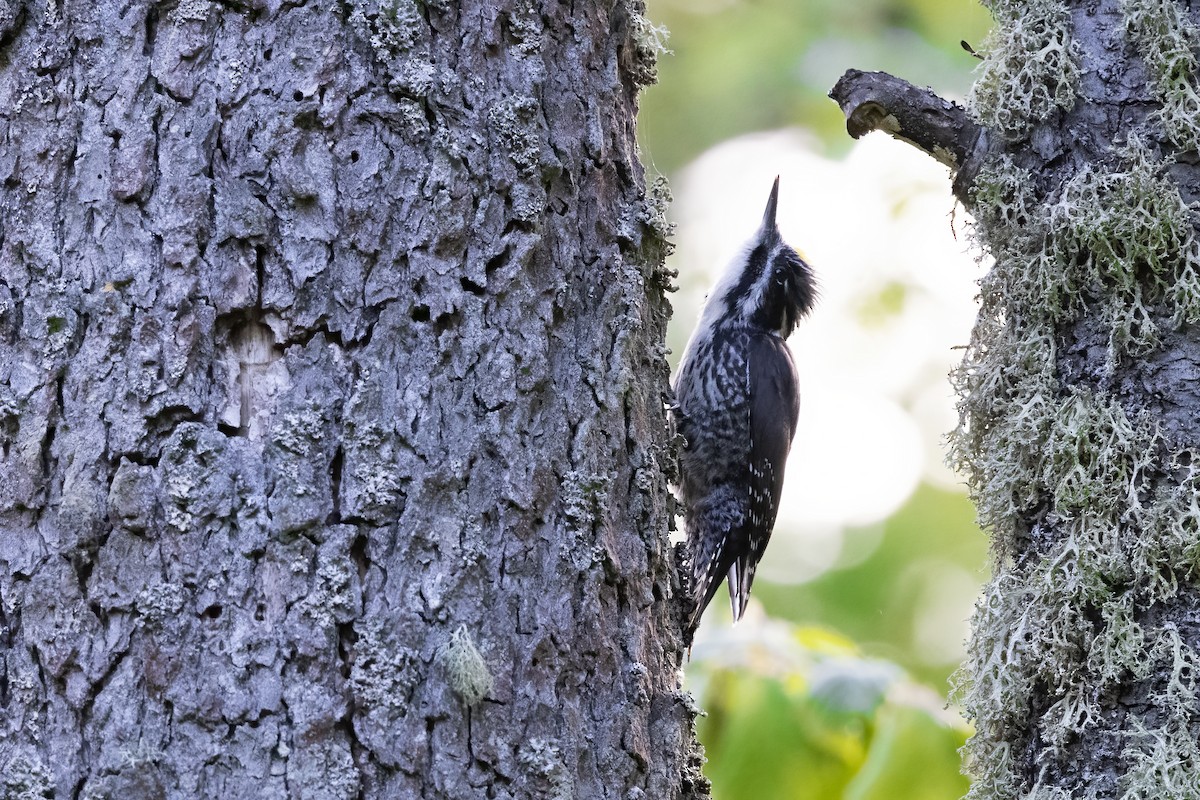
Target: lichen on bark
{"x":307,"y":311}
{"x":1077,"y":428}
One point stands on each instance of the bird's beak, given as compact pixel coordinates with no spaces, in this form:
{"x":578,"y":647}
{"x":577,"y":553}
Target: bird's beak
{"x":768,"y":222}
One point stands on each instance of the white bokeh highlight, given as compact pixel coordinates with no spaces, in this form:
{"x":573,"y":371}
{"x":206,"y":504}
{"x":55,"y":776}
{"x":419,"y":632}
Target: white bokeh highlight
{"x":897,"y":295}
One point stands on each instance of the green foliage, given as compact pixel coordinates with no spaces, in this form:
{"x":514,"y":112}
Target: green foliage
{"x":802,"y":714}
{"x":888,"y":578}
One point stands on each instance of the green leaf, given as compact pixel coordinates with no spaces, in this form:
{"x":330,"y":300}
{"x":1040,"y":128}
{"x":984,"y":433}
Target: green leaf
{"x":816,"y":720}
{"x":913,"y":756}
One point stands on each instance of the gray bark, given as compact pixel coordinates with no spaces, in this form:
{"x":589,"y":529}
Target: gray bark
{"x":1080,"y":400}
{"x":333,"y":459}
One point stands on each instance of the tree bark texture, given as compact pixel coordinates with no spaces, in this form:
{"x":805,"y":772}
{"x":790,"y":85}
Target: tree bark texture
{"x":333,"y":457}
{"x":1080,"y":401}
{"x":1080,"y":395}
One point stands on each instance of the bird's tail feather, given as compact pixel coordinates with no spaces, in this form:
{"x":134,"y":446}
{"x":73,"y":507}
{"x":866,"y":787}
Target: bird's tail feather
{"x":706,"y":580}
{"x":741,"y":576}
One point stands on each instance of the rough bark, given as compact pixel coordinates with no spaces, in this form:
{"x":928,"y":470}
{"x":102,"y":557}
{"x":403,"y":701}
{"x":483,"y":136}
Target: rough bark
{"x":1080,"y":403}
{"x":333,"y":457}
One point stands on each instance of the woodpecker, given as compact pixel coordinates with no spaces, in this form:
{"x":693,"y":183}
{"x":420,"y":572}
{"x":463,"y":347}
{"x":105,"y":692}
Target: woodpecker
{"x":736,"y":403}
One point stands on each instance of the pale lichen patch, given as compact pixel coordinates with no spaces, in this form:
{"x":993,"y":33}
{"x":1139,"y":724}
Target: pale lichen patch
{"x":545,"y":762}
{"x":649,"y":43}
{"x":1167,"y":41}
{"x":1128,"y":233}
{"x":1031,"y":66}
{"x":466,"y":671}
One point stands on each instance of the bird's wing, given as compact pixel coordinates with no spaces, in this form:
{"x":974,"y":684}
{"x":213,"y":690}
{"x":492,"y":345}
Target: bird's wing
{"x":774,"y":409}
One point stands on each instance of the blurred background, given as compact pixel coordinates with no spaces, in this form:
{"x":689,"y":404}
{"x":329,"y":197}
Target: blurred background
{"x":836,"y":683}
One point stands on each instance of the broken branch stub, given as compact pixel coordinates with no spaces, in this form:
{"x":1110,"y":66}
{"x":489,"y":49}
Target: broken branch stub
{"x":877,"y":101}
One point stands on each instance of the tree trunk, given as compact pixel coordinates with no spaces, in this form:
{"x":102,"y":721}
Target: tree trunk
{"x":333,"y":456}
{"x":1080,"y":396}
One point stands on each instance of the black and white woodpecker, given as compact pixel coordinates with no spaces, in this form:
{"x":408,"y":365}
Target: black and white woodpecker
{"x":736,"y":404}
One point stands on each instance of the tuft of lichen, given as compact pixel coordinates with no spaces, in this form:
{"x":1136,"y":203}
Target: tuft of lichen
{"x":332,"y":598}
{"x":649,"y":43}
{"x":393,"y":27}
{"x":466,"y":671}
{"x":396,"y":32}
{"x":645,"y":226}
{"x":1128,"y":232}
{"x":376,"y":483}
{"x":1171,"y":554}
{"x":584,"y":498}
{"x":1030,"y":69}
{"x":515,"y":123}
{"x":1168,"y":41}
{"x":159,"y":602}
{"x":658,"y":202}
{"x":527,"y":27}
{"x":300,"y":431}
{"x":193,"y":10}
{"x":1095,"y":458}
{"x":1164,"y":764}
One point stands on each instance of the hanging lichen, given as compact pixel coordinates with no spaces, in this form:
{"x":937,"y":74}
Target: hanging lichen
{"x":466,"y":671}
{"x":1167,"y":41}
{"x":1032,"y":66}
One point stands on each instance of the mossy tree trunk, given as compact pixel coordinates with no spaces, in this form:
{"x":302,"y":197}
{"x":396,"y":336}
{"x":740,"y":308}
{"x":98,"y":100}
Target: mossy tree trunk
{"x":333,"y":456}
{"x":1080,"y":398}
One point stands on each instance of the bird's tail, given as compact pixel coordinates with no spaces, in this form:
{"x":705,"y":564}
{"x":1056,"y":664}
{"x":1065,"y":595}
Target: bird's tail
{"x":707,"y":571}
{"x":741,"y":576}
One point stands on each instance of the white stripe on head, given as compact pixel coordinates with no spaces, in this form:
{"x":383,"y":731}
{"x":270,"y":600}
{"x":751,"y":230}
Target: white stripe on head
{"x":717,"y":303}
